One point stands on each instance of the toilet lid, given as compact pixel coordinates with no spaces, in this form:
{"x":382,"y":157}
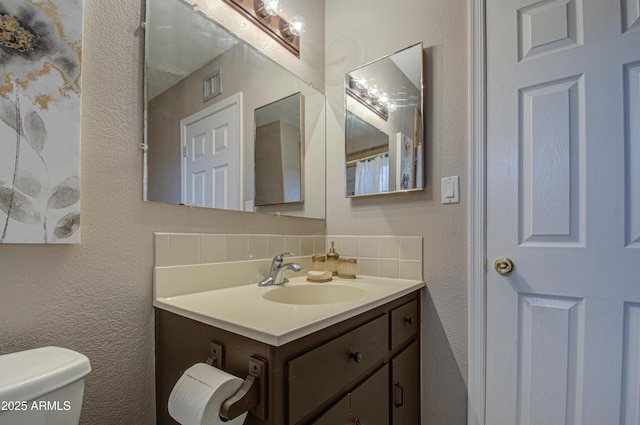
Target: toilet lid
{"x":27,"y":375}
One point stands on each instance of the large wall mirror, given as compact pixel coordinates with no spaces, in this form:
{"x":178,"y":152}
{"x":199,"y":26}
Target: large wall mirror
{"x":209,"y":100}
{"x":384,"y":126}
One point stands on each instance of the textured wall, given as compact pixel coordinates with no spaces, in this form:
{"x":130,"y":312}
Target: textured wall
{"x":96,"y":297}
{"x":358,"y":32}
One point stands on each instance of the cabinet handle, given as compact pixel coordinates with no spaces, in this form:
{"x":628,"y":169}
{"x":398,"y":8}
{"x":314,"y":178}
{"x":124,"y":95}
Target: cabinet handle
{"x":357,"y":356}
{"x":401,"y":388}
{"x":357,"y":422}
{"x":409,"y":320}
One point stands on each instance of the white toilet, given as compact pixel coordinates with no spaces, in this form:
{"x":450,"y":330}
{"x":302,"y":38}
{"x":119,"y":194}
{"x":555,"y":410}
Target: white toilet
{"x":43,"y":386}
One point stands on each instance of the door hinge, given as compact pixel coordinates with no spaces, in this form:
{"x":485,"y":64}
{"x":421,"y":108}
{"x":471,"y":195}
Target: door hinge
{"x":485,"y":264}
{"x":184,"y":151}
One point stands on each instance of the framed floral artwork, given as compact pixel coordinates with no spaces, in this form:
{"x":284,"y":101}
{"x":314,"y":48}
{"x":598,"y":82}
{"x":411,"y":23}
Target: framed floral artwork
{"x":40,"y":70}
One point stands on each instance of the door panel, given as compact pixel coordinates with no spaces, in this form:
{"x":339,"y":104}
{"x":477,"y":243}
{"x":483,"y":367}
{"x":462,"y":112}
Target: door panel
{"x":563,"y":202}
{"x":550,"y":146}
{"x":631,"y":371}
{"x":632,"y":142}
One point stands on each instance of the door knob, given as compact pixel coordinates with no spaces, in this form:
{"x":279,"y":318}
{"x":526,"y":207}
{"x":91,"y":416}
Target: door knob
{"x":504,"y":266}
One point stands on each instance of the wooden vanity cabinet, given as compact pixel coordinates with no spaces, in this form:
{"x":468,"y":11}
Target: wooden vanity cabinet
{"x":366,"y":368}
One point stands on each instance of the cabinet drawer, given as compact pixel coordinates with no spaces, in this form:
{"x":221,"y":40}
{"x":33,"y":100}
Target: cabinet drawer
{"x":316,"y":376}
{"x":404,"y":323}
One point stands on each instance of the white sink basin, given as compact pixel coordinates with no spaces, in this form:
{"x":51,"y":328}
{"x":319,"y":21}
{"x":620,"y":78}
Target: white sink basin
{"x":313,"y":294}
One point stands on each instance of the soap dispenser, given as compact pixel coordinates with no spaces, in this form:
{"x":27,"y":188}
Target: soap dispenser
{"x":332,"y":260}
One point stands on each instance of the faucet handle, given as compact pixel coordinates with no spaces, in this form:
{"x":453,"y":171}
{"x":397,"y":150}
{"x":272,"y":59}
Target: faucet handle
{"x":278,"y":259}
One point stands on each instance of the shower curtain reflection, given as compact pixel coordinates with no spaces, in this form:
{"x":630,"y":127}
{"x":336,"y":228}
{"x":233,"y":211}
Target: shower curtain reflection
{"x":372,"y":175}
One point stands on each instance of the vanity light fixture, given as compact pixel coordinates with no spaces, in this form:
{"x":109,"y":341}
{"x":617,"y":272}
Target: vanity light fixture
{"x":266,"y":15}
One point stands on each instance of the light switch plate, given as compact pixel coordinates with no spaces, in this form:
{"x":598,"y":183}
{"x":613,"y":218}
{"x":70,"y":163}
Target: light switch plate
{"x":450,"y":190}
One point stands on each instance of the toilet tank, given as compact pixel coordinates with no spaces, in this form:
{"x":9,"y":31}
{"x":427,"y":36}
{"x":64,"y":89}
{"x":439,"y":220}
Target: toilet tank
{"x":43,"y":386}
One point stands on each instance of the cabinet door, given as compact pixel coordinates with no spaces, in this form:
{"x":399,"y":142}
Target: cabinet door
{"x":337,"y":415}
{"x":405,"y":386}
{"x":370,"y":401}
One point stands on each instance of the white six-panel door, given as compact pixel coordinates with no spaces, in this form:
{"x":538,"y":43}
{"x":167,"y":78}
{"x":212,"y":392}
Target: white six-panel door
{"x":211,"y":149}
{"x":563,"y":203}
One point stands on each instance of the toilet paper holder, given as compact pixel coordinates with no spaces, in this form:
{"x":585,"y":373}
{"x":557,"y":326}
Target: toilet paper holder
{"x":252,"y":395}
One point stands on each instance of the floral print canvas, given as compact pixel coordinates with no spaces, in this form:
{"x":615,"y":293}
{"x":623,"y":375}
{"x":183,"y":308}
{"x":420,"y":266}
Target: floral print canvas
{"x":40,"y":67}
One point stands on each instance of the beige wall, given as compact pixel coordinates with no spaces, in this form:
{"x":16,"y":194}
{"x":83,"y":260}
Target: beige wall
{"x":357,"y":33}
{"x":96,"y":297}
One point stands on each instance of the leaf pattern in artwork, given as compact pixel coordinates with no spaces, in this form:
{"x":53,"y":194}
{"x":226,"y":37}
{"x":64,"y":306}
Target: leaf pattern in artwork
{"x":65,"y":194}
{"x":35,"y":130}
{"x":67,"y":225}
{"x":28,"y":184}
{"x":18,"y":206}
{"x":9,"y":114}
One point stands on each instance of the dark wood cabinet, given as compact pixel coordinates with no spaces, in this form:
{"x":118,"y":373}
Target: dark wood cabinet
{"x":363,"y":370}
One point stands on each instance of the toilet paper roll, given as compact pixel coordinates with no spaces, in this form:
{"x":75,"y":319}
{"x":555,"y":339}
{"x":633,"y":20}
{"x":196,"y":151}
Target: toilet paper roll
{"x":199,"y":393}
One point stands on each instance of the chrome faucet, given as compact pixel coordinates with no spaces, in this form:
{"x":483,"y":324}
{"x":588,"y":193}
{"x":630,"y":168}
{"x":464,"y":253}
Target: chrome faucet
{"x":276,"y":274}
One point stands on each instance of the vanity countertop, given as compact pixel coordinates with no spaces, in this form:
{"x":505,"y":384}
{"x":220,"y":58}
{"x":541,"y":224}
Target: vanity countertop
{"x":244,"y":309}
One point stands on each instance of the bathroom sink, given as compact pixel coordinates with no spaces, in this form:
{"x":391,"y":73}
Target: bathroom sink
{"x":313,"y":294}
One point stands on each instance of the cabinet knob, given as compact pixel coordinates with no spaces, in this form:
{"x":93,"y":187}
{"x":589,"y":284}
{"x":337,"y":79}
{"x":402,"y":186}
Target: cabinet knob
{"x":409,"y":320}
{"x":357,"y":422}
{"x":357,"y":356}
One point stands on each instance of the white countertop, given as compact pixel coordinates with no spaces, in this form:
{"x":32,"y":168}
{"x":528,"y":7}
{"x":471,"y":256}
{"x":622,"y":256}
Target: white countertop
{"x":243,"y":310}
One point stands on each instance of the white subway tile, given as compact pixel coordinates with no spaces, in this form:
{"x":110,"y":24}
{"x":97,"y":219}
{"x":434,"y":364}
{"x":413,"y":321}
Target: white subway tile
{"x":411,"y":248}
{"x":411,"y":270}
{"x":184,"y":249}
{"x":276,"y":245}
{"x":237,"y":247}
{"x":389,"y":268}
{"x":389,"y":247}
{"x":368,"y":246}
{"x":258,"y":247}
{"x":213,"y":248}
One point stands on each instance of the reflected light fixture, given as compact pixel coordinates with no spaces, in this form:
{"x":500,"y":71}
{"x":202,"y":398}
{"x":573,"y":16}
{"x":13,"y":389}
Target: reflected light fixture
{"x":370,"y":95}
{"x":266,"y":15}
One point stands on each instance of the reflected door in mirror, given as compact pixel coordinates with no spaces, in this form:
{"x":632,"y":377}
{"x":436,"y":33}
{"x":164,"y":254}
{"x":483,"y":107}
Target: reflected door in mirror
{"x":211,"y":156}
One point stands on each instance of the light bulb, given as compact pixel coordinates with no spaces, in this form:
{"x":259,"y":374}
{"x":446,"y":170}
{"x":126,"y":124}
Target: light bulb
{"x":383,"y":98}
{"x":297,"y":25}
{"x":374,"y":91}
{"x":272,"y":7}
{"x":392,"y":107}
{"x":362,"y":83}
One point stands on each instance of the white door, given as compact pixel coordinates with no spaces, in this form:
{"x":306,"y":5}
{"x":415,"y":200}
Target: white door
{"x":563,"y":203}
{"x":211,"y":139}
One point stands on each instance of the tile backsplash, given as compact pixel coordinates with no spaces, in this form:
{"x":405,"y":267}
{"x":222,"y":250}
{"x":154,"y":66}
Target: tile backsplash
{"x":384,"y":256}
